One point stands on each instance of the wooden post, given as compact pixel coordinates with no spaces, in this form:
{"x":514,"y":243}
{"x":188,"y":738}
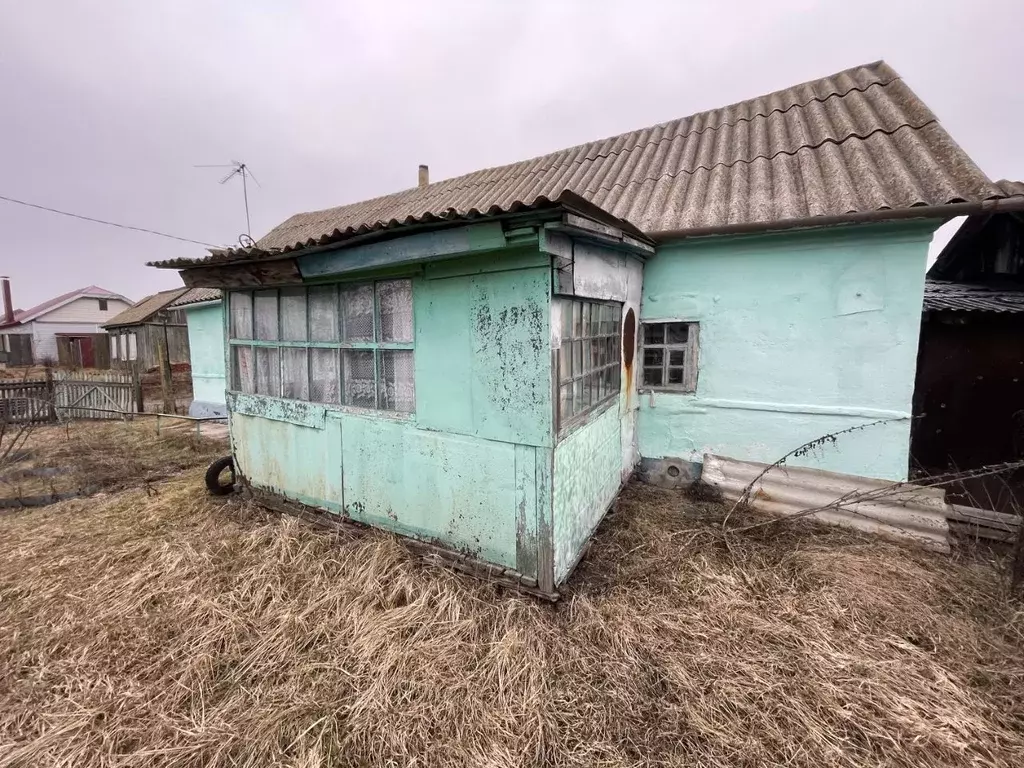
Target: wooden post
{"x":140,"y":405}
{"x":166,"y":381}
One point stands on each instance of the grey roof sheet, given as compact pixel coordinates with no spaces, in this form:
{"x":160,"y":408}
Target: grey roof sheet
{"x":141,"y":311}
{"x":942,"y":296}
{"x":195,"y":296}
{"x":1010,"y":188}
{"x":855,"y":142}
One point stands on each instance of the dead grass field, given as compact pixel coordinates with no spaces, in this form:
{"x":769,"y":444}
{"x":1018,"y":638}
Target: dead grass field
{"x":102,"y":456}
{"x":173,"y":629}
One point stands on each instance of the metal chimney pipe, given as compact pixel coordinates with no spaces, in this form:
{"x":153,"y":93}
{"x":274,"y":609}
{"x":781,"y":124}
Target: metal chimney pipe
{"x":5,"y":282}
{"x":424,"y":175}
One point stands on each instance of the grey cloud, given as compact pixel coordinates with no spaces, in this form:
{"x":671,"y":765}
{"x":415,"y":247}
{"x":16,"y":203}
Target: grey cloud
{"x":107,"y":106}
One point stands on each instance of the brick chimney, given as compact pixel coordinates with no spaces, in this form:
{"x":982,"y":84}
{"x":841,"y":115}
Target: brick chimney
{"x":424,"y":175}
{"x":5,"y":285}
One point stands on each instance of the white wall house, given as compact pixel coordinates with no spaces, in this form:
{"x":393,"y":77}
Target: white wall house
{"x":77,"y":315}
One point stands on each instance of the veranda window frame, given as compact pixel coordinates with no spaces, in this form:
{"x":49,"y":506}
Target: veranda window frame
{"x":340,"y":346}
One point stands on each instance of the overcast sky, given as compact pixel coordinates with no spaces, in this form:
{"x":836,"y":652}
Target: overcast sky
{"x":107,"y":106}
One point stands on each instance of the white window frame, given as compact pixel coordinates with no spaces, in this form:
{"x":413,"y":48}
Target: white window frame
{"x":690,"y":349}
{"x":599,"y":382}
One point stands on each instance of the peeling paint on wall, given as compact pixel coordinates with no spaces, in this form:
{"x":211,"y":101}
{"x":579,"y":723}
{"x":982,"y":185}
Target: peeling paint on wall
{"x":587,"y":476}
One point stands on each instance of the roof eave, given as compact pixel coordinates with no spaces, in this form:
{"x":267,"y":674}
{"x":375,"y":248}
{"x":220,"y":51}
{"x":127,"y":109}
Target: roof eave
{"x":944,"y":211}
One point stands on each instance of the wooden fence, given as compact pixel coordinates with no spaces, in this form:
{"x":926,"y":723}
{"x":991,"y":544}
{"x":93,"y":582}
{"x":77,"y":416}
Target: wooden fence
{"x":66,"y":395}
{"x":26,"y":401}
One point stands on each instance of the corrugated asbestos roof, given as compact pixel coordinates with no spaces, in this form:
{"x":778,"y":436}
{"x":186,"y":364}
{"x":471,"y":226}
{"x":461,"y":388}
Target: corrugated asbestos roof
{"x":150,"y":305}
{"x":941,"y":296}
{"x":858,"y":141}
{"x":1010,"y":188}
{"x":195,"y":296}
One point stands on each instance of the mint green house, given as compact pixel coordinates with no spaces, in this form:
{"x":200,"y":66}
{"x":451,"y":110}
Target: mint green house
{"x":482,"y":362}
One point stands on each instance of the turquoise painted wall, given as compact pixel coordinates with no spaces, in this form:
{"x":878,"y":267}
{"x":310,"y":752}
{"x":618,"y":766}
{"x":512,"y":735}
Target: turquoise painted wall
{"x":587,"y":474}
{"x":800,"y":334}
{"x":471,"y":468}
{"x":206,"y":350}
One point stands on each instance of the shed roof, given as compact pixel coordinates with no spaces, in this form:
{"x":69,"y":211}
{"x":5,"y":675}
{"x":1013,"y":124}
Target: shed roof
{"x":146,"y":308}
{"x":196,"y":296}
{"x":855,"y":142}
{"x":943,"y":296}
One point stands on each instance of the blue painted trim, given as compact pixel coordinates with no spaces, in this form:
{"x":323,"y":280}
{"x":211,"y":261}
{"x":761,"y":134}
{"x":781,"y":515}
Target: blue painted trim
{"x":277,"y":409}
{"x":424,"y":246}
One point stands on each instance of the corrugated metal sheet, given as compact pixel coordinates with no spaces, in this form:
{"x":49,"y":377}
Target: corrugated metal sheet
{"x":909,"y":512}
{"x":140,"y":312}
{"x":858,"y":141}
{"x":195,"y":296}
{"x":942,"y":296}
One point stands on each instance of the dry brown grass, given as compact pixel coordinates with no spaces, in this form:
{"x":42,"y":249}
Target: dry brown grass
{"x":175,"y":630}
{"x":102,"y":455}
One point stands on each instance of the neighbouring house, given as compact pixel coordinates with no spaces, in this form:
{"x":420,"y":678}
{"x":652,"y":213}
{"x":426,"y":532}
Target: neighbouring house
{"x":66,"y":330}
{"x":136,"y":334}
{"x":969,"y":394}
{"x":480,"y":363}
{"x":204,"y":315}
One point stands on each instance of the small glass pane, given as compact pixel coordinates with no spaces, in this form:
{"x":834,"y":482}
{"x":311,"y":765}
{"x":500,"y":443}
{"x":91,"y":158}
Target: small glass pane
{"x":595,"y":353}
{"x":357,"y":313}
{"x":588,"y":347}
{"x":394,"y":297}
{"x":579,"y":404}
{"x":654,"y":357}
{"x":359,"y":377}
{"x":654,"y":333}
{"x":293,"y":314}
{"x":600,"y":387}
{"x":268,"y":371}
{"x":585,"y":324}
{"x":241,"y":315}
{"x":566,"y":320}
{"x":265,"y":311}
{"x":677,"y":357}
{"x":325,"y":376}
{"x":596,"y":313}
{"x":652,"y":377}
{"x":397,"y":377}
{"x":617,"y":319}
{"x":588,"y":391}
{"x":323,"y":314}
{"x":565,"y":402}
{"x":678,"y":333}
{"x":616,"y":349}
{"x":295,"y":373}
{"x":675,"y":375}
{"x":577,"y":319}
{"x":565,"y":362}
{"x":577,"y":358}
{"x":243,"y":375}
{"x":612,"y":379}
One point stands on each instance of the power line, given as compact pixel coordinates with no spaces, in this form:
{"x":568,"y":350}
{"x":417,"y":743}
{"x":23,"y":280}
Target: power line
{"x":108,"y":223}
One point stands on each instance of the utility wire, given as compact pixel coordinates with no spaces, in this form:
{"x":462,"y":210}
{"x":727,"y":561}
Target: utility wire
{"x":108,"y":223}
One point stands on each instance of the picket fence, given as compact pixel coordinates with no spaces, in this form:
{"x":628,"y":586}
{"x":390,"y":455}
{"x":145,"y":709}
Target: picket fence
{"x":67,"y":395}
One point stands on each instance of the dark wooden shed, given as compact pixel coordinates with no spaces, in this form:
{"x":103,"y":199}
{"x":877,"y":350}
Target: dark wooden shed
{"x":136,"y":334}
{"x":969,"y":391}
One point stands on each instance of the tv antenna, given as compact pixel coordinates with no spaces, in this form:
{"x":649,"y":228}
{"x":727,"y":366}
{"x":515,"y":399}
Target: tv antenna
{"x":238,"y":168}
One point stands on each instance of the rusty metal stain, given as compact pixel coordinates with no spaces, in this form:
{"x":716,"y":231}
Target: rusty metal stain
{"x":628,"y":350}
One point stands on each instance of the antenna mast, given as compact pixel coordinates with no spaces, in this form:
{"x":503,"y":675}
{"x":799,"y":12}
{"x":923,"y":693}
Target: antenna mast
{"x":238,"y":168}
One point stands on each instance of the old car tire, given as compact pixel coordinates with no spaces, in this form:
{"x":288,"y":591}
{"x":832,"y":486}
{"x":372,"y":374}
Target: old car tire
{"x":213,"y":483}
